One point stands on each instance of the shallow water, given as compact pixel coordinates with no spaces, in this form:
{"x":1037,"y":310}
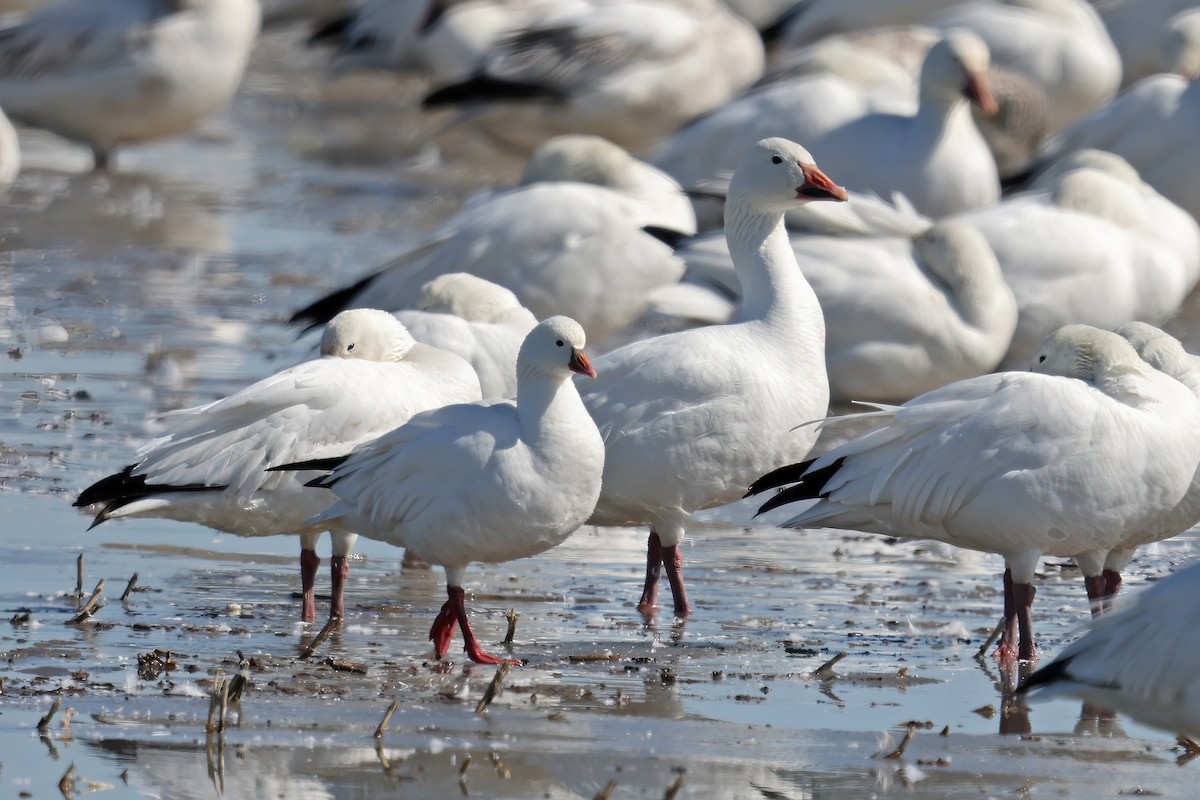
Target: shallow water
{"x":166,"y":284}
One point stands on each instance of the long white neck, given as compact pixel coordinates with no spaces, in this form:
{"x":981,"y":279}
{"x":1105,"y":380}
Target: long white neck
{"x":549,"y":409}
{"x":773,"y":287}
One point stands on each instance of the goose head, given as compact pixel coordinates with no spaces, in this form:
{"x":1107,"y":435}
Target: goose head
{"x":957,"y":66}
{"x":580,"y":157}
{"x":366,"y":333}
{"x":467,"y":296}
{"x":776,"y":175}
{"x":1181,"y":45}
{"x":555,"y":348}
{"x":1162,"y":351}
{"x":1086,"y":353}
{"x":956,"y":252}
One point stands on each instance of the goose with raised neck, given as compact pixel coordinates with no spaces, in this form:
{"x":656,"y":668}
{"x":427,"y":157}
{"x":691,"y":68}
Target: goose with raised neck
{"x":688,"y":417}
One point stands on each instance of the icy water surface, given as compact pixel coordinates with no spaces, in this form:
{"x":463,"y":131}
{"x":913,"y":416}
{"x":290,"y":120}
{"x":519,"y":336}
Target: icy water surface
{"x":167,"y":282}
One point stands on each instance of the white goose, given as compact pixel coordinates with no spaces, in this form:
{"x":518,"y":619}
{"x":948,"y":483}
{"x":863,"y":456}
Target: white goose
{"x":1136,"y":29}
{"x":690,"y":418}
{"x":614,"y":69}
{"x":212,"y":466}
{"x":936,"y":158}
{"x":1143,"y":661}
{"x":112,"y":73}
{"x":559,"y":244}
{"x":1096,"y":246}
{"x":1022,"y":464}
{"x":1154,"y":124}
{"x":476,"y":319}
{"x":480,"y":482}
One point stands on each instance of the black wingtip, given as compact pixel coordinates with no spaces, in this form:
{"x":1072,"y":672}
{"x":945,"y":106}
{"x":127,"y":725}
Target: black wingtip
{"x":108,"y":488}
{"x":485,"y":89}
{"x":331,"y":30}
{"x":1053,"y":672}
{"x":325,"y":464}
{"x":778,"y":477}
{"x":122,"y":488}
{"x":668,"y":236}
{"x":772,"y":34}
{"x":319,"y":312}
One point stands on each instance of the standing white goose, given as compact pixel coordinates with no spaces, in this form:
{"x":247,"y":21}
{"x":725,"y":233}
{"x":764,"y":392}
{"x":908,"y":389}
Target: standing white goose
{"x":690,"y":418}
{"x":211,"y":467}
{"x":480,"y":482}
{"x":476,"y":319}
{"x":1023,"y":464}
{"x":117,"y":72}
{"x":1143,"y":660}
{"x":936,"y":158}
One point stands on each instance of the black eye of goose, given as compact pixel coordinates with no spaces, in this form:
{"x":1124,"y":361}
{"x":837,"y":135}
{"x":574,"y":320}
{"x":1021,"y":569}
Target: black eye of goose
{"x":776,"y":160}
{"x":1041,"y":359}
{"x":349,"y":347}
{"x":559,"y":343}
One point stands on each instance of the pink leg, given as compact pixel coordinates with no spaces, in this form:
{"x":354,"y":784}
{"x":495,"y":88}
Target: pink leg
{"x":1096,"y":593}
{"x":1023,"y":596}
{"x":654,"y":560}
{"x":339,"y":570}
{"x":309,"y":561}
{"x":1007,"y":651}
{"x":470,"y":645}
{"x":1112,"y":585}
{"x":672,"y":559}
{"x":443,"y":629}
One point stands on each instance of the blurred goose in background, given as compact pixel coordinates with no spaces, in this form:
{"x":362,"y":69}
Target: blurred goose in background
{"x":1112,"y":454}
{"x":689,"y":418}
{"x":476,"y":319}
{"x":490,"y":482}
{"x":557,"y":243}
{"x":1143,"y":661}
{"x":936,"y":157}
{"x":211,"y":467}
{"x":118,"y":72}
{"x":1154,"y":124}
{"x":1089,"y":243}
{"x":282,"y":12}
{"x":1136,"y":29}
{"x":903,"y":314}
{"x":10,"y":153}
{"x":615,"y":69}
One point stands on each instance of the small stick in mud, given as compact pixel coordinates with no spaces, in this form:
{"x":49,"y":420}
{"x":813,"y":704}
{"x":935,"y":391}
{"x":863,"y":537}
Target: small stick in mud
{"x":493,"y":688}
{"x":899,"y":751}
{"x":224,"y":705}
{"x":674,"y":789}
{"x":825,"y":671}
{"x":512,"y":616}
{"x":999,"y":629}
{"x":90,"y":606}
{"x":465,"y":766}
{"x":321,"y":637}
{"x":214,"y":702}
{"x":79,"y":577}
{"x":607,"y":791}
{"x":66,"y":784}
{"x":44,"y":722}
{"x":387,"y":717}
{"x":129,"y":588}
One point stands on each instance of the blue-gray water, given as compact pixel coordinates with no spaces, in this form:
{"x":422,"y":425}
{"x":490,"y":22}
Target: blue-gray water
{"x":167,"y":283}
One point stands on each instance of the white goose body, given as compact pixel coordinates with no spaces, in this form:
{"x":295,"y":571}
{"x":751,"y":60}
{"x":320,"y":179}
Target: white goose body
{"x":211,"y":468}
{"x":1096,"y":246}
{"x":119,"y":72}
{"x":1020,"y":464}
{"x":1143,"y":660}
{"x":484,"y":481}
{"x":936,"y":157}
{"x":688,"y":418}
{"x":477,"y":320}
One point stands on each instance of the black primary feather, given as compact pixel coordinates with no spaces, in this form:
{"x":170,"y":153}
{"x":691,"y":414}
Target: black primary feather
{"x":119,"y":490}
{"x":484,"y":89}
{"x":325,"y":464}
{"x":668,"y":236}
{"x":319,"y":312}
{"x":334,"y":29}
{"x":810,"y":485}
{"x":778,"y":477}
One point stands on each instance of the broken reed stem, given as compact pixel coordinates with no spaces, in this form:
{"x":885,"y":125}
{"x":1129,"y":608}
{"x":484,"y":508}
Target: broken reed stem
{"x":387,"y":717}
{"x":607,"y":791}
{"x":999,"y":629}
{"x":129,"y":588}
{"x":493,"y":688}
{"x":826,"y":669}
{"x":674,"y":789}
{"x":213,"y":703}
{"x":44,"y":722}
{"x":79,"y":577}
{"x":512,"y":616}
{"x":899,"y":751}
{"x":66,"y":784}
{"x":465,"y":766}
{"x":90,"y":606}
{"x":224,"y":705}
{"x":321,"y":637}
